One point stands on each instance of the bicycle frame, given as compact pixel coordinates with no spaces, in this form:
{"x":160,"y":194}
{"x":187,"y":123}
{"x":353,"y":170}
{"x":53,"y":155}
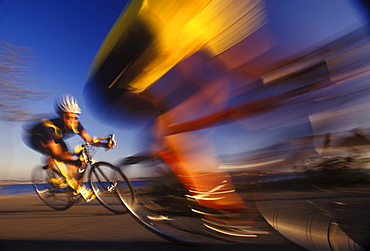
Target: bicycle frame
{"x":85,"y":156}
{"x":71,"y":182}
{"x":83,"y":153}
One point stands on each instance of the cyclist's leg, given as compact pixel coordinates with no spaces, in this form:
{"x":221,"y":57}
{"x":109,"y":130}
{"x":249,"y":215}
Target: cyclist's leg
{"x":212,"y":194}
{"x":68,"y":170}
{"x":197,"y":168}
{"x":38,"y":144}
{"x":74,"y":179}
{"x":64,"y":150}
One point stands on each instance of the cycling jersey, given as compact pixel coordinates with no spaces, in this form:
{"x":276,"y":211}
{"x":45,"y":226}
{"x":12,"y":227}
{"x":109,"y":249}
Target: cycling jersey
{"x":54,"y":129}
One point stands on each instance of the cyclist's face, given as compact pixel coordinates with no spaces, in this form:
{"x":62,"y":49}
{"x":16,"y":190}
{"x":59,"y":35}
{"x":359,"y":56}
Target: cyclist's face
{"x":70,"y":119}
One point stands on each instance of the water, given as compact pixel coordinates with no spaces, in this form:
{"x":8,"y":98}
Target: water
{"x":27,"y":189}
{"x":16,"y":190}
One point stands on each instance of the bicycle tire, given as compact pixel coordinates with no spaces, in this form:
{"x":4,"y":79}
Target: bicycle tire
{"x":57,"y":198}
{"x":111,"y":187}
{"x":162,"y":207}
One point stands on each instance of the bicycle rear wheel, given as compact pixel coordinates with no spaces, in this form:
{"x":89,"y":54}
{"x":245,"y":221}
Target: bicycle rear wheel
{"x":111,"y":187}
{"x":56,"y":197}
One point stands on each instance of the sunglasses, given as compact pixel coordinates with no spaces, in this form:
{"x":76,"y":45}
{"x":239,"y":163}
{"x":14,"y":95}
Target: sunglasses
{"x":71,"y":118}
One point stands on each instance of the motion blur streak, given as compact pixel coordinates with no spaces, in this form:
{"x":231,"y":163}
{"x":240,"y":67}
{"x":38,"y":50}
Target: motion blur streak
{"x":259,"y":108}
{"x":175,"y":30}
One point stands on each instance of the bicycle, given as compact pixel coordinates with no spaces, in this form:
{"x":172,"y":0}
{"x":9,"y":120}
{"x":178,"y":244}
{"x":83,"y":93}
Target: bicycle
{"x":109,"y":184}
{"x":161,"y":204}
{"x":166,"y":208}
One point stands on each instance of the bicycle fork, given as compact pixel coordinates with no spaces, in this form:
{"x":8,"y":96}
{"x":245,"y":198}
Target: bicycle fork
{"x":112,"y":184}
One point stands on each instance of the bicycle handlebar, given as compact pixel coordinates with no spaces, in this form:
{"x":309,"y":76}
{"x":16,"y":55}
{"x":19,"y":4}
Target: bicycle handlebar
{"x":111,"y":143}
{"x":112,"y":140}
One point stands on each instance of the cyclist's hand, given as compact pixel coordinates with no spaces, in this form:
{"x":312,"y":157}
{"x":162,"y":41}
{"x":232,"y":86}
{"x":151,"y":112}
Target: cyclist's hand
{"x":111,"y":143}
{"x":109,"y":146}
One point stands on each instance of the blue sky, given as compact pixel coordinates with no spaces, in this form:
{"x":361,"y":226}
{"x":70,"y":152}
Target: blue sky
{"x":65,"y":36}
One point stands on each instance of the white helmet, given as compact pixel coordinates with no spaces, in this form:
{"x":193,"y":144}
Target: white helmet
{"x":67,"y":103}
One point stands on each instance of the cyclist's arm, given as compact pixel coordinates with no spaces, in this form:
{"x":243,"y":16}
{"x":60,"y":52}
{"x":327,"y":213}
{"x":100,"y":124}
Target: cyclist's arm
{"x":88,"y":139}
{"x":86,"y":136}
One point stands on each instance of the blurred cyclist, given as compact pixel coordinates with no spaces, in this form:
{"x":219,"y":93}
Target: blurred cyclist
{"x":48,"y":137}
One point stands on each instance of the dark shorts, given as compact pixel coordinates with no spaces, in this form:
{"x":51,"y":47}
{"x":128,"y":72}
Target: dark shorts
{"x":38,"y":143}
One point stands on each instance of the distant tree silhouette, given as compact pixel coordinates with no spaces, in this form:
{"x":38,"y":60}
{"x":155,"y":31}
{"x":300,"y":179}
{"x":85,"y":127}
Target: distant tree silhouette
{"x":15,"y":62}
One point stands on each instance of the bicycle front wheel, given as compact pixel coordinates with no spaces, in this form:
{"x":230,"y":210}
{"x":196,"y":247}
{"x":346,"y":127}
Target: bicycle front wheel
{"x":111,"y":187}
{"x":56,"y":197}
{"x":161,"y":205}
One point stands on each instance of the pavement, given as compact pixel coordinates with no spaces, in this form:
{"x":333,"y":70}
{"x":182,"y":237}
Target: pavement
{"x":27,"y":224}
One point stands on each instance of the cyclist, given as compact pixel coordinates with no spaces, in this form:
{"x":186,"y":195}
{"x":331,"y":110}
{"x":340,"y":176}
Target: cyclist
{"x":48,"y":137}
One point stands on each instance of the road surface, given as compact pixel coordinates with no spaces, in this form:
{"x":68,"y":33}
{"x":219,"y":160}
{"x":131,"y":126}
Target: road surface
{"x":27,"y":224}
